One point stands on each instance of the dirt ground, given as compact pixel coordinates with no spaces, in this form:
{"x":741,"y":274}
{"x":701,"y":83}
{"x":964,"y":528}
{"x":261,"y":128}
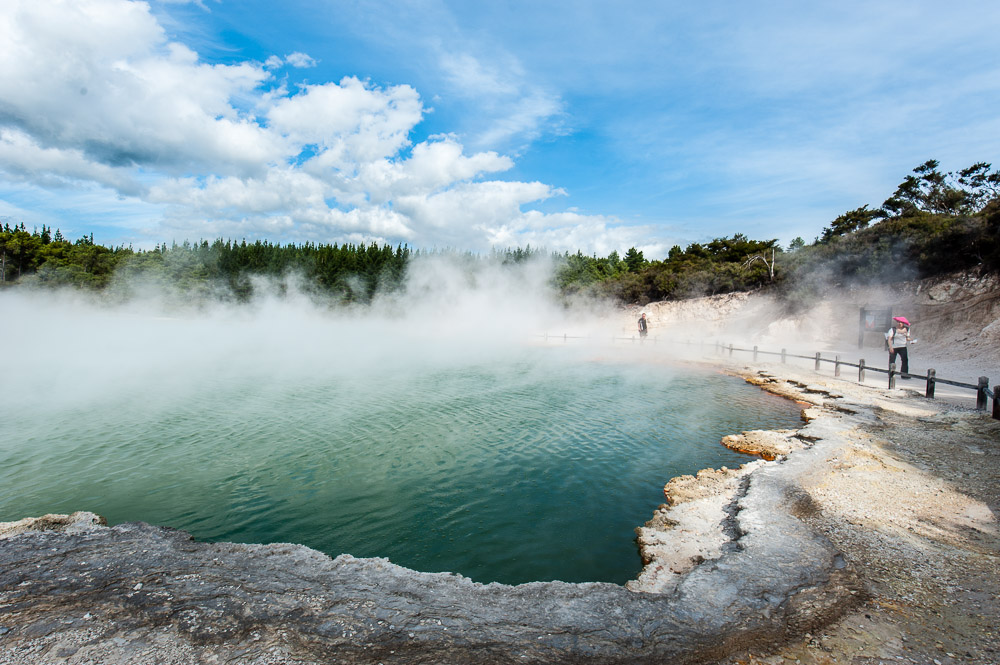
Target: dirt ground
{"x":912,"y":503}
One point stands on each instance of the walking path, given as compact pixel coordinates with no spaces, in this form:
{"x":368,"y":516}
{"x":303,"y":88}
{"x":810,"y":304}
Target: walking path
{"x":912,"y":501}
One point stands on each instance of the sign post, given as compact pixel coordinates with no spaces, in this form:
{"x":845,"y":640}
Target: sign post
{"x":873,"y":319}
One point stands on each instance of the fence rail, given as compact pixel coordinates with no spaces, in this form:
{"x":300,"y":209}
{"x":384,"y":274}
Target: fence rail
{"x":983,"y":392}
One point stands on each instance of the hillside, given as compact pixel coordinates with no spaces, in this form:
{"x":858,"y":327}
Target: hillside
{"x":955,"y":317}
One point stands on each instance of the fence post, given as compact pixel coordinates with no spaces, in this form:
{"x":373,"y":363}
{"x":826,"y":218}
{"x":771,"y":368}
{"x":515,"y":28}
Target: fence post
{"x":564,"y":338}
{"x":836,"y":365}
{"x":782,"y":356}
{"x":730,"y":350}
{"x":892,"y":375}
{"x":984,"y":383}
{"x":755,"y":353}
{"x":930,"y":383}
{"x":861,"y":371}
{"x":817,"y":361}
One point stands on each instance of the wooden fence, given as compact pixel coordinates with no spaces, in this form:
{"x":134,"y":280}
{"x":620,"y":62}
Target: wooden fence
{"x":983,"y":392}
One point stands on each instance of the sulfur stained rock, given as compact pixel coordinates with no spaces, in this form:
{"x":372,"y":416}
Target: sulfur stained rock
{"x":76,"y":522}
{"x":689,"y":529}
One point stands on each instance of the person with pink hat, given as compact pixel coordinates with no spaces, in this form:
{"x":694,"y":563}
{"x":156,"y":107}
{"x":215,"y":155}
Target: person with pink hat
{"x":896,"y":341}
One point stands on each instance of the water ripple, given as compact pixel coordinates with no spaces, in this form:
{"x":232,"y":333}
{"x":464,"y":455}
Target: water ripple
{"x":529,"y":471}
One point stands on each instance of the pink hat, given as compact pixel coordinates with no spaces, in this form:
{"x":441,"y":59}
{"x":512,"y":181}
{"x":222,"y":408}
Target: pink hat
{"x":901,"y":319}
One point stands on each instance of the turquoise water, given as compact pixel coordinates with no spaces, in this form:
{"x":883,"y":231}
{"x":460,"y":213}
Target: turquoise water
{"x":529,"y":469}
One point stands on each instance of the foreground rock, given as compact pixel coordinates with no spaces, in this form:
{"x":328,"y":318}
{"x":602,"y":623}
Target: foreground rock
{"x":72,"y":590}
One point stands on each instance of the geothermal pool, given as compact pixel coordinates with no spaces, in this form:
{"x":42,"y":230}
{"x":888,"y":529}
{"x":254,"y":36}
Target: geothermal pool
{"x":535,"y":468}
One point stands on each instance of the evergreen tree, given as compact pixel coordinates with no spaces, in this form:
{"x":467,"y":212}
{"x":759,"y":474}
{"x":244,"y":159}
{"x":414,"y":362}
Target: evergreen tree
{"x":634,"y":260}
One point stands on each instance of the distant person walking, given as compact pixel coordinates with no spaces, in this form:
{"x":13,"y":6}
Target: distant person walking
{"x":643,"y":329}
{"x":896,"y":340}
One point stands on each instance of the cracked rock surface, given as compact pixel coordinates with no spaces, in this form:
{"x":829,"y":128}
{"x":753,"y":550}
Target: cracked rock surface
{"x":138,"y":593}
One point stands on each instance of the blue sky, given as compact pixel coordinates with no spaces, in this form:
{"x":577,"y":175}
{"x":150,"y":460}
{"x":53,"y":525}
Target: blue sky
{"x":566,"y":125}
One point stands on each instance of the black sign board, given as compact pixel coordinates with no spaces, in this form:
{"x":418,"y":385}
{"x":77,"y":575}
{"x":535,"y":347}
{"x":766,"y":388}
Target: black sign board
{"x":874,"y":319}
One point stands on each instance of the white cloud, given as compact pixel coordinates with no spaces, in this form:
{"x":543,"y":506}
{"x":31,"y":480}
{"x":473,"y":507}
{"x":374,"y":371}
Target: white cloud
{"x":100,"y":77}
{"x":474,"y":79}
{"x":279,"y":190}
{"x":480,"y":205}
{"x":510,"y":108}
{"x":570,"y":232}
{"x":350,"y":122}
{"x":432,"y":165}
{"x":23,"y":159}
{"x":523,"y":119}
{"x":463,"y":216}
{"x":94,"y":92}
{"x":300,"y":60}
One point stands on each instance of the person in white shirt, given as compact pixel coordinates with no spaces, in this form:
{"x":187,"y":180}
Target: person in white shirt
{"x":897,"y":340}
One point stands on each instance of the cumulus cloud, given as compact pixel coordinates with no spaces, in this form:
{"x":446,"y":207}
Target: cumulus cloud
{"x":94,"y":92}
{"x":300,"y":60}
{"x":25,"y":160}
{"x":99,"y":78}
{"x":276,"y":191}
{"x":571,"y":232}
{"x":349,"y":123}
{"x":433,"y":165}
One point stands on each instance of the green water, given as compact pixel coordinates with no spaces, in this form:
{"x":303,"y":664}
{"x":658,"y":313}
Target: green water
{"x":529,"y":469}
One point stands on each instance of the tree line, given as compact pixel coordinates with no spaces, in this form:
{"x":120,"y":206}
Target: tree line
{"x":350,"y":272}
{"x":934,"y":222}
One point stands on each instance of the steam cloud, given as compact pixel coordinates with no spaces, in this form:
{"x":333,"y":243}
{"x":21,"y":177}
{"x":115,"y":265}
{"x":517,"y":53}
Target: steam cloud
{"x":73,"y":349}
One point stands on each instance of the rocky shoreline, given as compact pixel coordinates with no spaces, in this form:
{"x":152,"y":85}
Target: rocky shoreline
{"x":907,"y":490}
{"x":797,"y":559}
